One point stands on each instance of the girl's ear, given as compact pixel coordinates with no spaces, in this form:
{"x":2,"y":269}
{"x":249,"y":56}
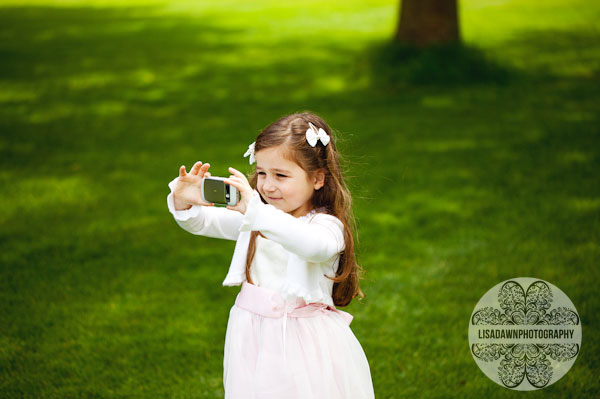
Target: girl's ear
{"x":319,"y":179}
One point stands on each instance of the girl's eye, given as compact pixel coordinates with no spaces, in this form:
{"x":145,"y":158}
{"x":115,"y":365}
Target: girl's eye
{"x":278,"y":174}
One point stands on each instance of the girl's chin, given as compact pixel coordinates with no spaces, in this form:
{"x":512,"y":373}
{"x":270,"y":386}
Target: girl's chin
{"x":278,"y":205}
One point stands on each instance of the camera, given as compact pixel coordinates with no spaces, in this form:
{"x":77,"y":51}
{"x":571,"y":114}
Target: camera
{"x":215,"y":190}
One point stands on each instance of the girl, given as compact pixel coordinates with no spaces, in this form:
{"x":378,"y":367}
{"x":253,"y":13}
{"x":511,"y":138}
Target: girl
{"x":294,"y":258}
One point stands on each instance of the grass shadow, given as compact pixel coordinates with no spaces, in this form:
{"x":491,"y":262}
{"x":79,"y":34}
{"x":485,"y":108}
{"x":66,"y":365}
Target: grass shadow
{"x":393,"y":65}
{"x":100,"y":107}
{"x":554,"y":53}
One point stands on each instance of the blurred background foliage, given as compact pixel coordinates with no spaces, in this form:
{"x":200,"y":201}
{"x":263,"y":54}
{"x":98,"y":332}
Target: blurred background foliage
{"x":469,"y":163}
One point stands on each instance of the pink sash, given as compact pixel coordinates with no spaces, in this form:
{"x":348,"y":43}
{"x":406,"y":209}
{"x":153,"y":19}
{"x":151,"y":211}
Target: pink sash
{"x":268,"y":303}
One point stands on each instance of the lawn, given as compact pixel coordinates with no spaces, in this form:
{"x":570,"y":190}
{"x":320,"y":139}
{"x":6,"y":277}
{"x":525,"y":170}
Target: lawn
{"x":468,"y":166}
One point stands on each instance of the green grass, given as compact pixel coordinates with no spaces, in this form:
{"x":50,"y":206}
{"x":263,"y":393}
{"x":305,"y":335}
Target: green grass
{"x":469,"y":165}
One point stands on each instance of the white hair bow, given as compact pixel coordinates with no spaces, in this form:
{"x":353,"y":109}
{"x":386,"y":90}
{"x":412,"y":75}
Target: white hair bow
{"x":250,"y":151}
{"x":312,"y":137}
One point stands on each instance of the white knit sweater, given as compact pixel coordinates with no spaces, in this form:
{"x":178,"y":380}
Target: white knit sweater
{"x":314,"y":242}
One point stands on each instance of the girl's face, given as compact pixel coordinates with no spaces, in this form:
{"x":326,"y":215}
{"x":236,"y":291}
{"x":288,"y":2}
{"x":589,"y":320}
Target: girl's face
{"x":283,"y":183}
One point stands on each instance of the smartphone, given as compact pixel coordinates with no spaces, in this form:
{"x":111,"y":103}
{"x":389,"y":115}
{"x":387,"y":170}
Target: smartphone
{"x":216,"y":191}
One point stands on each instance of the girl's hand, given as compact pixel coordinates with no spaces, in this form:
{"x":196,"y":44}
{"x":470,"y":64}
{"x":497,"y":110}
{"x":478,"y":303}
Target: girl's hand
{"x":188,"y":190}
{"x":240,"y":181}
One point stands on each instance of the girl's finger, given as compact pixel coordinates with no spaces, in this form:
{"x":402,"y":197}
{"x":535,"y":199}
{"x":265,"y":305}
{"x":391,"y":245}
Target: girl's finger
{"x":238,"y":174}
{"x":182,"y":170}
{"x":203,"y":170}
{"x":230,"y":181}
{"x":236,"y":180}
{"x":238,"y":185}
{"x":196,"y":168}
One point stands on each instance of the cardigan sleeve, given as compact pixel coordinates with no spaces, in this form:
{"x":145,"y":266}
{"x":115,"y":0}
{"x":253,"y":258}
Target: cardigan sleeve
{"x":209,"y":221}
{"x":316,"y":241}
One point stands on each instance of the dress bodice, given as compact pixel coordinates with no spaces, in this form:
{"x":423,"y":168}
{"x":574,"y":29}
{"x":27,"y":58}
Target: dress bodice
{"x":269,"y":266}
{"x":269,"y":270}
{"x":294,"y":258}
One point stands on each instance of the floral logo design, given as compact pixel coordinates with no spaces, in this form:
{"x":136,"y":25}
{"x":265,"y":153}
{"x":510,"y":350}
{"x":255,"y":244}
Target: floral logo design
{"x":529,"y":308}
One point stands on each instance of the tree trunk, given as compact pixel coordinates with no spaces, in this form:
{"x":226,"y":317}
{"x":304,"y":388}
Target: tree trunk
{"x":427,"y":22}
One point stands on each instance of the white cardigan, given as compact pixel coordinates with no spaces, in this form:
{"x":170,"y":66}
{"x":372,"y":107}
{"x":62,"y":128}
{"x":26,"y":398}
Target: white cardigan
{"x":314,"y":241}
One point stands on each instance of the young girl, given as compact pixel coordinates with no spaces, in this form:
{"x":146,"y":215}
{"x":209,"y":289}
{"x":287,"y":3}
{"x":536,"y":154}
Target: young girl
{"x":294,"y":258}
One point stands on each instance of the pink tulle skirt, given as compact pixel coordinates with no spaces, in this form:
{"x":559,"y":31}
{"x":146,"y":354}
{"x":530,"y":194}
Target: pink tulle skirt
{"x":282,"y":350}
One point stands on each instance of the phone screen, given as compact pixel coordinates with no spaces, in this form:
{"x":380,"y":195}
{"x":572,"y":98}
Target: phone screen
{"x":215,"y":191}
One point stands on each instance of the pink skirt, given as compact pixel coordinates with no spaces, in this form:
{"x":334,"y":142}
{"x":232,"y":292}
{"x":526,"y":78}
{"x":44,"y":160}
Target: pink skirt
{"x":280,"y":350}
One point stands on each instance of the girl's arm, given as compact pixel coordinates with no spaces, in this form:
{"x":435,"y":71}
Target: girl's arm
{"x":210,"y":221}
{"x":315,"y":241}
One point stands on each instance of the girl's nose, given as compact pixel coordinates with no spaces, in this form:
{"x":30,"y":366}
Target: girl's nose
{"x":268,"y":186}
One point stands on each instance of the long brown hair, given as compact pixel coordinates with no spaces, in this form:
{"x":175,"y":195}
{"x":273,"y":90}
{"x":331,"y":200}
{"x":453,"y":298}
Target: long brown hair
{"x":290,"y":131}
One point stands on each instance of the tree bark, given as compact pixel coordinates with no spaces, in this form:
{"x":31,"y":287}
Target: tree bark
{"x":426,"y":22}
